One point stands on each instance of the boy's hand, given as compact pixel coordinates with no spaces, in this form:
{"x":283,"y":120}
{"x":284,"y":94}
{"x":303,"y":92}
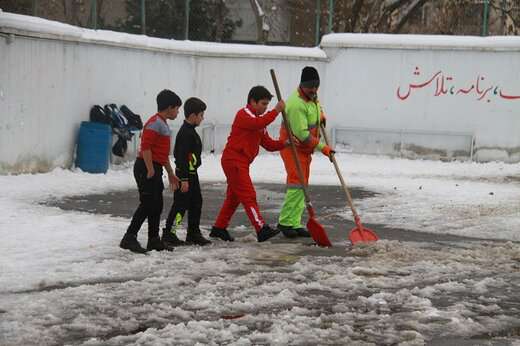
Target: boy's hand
{"x":174,"y":181}
{"x":150,"y":173}
{"x":280,"y":106}
{"x":185,"y":186}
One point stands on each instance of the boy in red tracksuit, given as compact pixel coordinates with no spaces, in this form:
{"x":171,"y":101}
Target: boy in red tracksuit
{"x":248,"y":133}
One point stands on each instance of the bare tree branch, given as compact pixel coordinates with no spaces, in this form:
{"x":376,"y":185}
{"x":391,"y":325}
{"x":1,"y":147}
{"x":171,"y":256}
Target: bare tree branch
{"x":406,"y":14}
{"x":392,"y":5}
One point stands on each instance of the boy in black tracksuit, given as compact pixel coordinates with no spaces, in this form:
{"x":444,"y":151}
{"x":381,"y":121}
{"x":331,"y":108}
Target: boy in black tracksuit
{"x":187,"y":150}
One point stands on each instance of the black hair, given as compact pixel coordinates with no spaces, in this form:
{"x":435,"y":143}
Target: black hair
{"x":193,"y":105}
{"x":258,"y":93}
{"x":167,"y":98}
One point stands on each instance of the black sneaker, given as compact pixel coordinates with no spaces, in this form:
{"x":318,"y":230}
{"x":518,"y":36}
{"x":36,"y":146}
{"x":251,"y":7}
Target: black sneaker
{"x":266,"y":232}
{"x":221,"y":233}
{"x":196,"y":238}
{"x":156,"y":243}
{"x":288,"y":231}
{"x":171,"y":239}
{"x":130,"y":242}
{"x":302,"y":232}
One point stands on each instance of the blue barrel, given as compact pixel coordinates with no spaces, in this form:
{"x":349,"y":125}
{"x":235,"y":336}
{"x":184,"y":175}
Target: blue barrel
{"x":94,"y":142}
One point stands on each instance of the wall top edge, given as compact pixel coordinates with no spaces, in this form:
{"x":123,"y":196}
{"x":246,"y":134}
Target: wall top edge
{"x":42,"y":28}
{"x":421,"y":42}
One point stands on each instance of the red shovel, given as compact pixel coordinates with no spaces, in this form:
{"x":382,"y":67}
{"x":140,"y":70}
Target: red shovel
{"x":359,"y":233}
{"x":318,"y":233}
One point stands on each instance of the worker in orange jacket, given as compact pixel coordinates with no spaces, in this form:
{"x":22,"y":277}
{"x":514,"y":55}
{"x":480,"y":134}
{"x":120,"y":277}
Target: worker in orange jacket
{"x":304,"y":114}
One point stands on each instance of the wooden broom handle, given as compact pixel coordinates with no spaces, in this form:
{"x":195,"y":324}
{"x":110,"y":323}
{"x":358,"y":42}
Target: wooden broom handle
{"x":340,"y":176}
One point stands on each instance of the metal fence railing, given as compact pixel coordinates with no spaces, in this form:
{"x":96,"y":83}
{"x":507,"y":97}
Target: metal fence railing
{"x":444,"y":145}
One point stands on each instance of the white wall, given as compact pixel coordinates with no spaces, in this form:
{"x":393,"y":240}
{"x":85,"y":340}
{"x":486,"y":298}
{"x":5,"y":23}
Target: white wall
{"x":52,"y":73}
{"x":363,"y":77}
{"x":49,"y":87}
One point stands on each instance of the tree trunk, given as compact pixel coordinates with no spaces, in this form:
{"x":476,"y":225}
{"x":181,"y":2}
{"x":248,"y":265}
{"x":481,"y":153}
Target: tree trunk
{"x":219,"y":20}
{"x":356,"y":12}
{"x":99,"y":7}
{"x":261,"y":32}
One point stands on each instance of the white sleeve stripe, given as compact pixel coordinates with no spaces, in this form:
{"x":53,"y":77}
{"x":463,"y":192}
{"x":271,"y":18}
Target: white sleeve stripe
{"x":249,"y":112}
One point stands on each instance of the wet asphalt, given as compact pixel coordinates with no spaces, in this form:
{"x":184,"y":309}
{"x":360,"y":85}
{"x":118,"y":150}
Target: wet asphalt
{"x":327,"y":201}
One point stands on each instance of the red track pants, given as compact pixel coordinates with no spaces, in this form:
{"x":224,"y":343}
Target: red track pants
{"x":240,"y":190}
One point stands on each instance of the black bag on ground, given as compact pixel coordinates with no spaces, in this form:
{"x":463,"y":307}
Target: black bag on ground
{"x":99,"y":115}
{"x":134,"y":120}
{"x":120,"y":147}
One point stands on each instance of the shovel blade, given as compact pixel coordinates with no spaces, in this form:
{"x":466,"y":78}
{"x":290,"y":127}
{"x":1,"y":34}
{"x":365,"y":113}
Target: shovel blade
{"x":318,"y":233}
{"x":362,"y":234}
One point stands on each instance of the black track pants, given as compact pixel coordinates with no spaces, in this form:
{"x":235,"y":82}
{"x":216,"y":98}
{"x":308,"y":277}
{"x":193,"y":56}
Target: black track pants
{"x":190,"y":201}
{"x":150,"y":198}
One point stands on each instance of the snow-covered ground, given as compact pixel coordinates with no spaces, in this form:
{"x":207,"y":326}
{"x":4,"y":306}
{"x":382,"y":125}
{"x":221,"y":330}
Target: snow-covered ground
{"x":63,"y":279}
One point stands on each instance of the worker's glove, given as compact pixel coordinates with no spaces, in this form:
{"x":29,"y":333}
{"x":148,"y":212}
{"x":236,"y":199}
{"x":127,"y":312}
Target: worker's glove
{"x":327,"y":151}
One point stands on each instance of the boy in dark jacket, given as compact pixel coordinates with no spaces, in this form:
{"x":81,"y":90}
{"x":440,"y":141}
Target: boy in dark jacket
{"x":248,"y":133}
{"x":152,"y":157}
{"x":187,"y":150}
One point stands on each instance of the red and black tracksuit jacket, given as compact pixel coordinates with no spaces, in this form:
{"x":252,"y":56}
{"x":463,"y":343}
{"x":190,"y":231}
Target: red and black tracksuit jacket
{"x":156,"y":137}
{"x":248,"y":133}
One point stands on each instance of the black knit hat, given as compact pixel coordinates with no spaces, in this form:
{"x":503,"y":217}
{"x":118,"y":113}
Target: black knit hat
{"x":310,"y":77}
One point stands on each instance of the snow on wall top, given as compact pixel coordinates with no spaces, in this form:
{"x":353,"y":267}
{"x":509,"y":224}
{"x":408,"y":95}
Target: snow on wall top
{"x":394,"y":41}
{"x":39,"y":27}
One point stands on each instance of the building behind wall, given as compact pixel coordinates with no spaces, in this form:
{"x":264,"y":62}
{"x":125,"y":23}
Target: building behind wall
{"x":293,"y":22}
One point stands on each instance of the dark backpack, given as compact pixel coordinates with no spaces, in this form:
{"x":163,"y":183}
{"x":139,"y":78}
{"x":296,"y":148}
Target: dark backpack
{"x":118,"y":119}
{"x":120,"y":128}
{"x":134,"y":120}
{"x":99,"y":115}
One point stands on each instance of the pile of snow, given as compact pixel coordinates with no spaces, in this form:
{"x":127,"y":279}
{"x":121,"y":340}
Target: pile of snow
{"x":346,"y":40}
{"x":64,"y":280}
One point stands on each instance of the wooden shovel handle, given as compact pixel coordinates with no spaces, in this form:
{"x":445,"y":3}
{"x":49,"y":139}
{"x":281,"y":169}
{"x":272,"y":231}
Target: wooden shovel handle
{"x":293,"y":146}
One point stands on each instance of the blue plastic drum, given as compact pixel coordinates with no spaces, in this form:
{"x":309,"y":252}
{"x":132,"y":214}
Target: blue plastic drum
{"x":94,"y":143}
